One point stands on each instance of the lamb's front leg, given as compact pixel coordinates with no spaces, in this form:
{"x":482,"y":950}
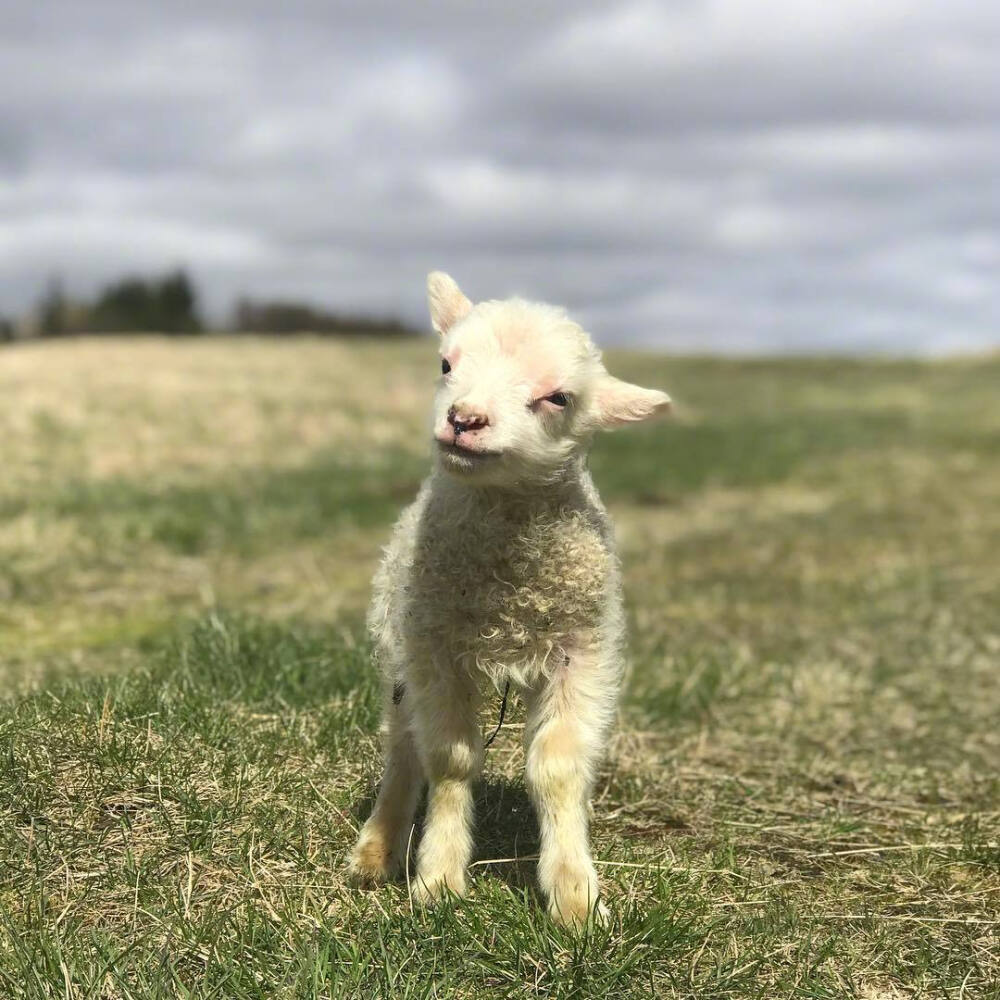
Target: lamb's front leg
{"x":567,"y":724}
{"x":451,"y":750}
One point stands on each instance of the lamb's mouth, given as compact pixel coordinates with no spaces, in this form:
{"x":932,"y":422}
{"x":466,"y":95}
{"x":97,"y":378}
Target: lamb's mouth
{"x":467,"y":456}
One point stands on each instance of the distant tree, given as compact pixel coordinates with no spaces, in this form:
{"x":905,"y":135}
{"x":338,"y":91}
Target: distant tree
{"x":168,"y":305}
{"x":178,"y":304}
{"x":297,"y":317}
{"x":6,"y":330}
{"x":52,"y":309}
{"x":124,"y":305}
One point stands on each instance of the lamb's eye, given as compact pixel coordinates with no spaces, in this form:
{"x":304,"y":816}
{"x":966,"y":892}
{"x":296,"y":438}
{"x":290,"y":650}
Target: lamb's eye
{"x":445,"y":366}
{"x":558,"y":399}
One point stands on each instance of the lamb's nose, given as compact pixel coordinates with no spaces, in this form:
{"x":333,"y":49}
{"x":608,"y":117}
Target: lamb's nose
{"x":464,"y":419}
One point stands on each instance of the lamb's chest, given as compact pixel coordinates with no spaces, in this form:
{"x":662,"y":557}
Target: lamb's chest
{"x":501,"y":590}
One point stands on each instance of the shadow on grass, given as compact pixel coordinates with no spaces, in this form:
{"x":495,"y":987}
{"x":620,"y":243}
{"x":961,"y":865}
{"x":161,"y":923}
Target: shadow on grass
{"x":506,"y":832}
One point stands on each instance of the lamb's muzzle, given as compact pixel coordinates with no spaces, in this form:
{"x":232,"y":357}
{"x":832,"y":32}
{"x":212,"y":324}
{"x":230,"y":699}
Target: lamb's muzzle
{"x":463,"y":420}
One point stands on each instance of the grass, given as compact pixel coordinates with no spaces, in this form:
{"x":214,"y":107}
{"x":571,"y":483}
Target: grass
{"x":803,"y":796}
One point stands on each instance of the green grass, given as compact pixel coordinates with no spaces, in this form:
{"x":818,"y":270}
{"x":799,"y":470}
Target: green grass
{"x":239,"y":511}
{"x":803,"y":796}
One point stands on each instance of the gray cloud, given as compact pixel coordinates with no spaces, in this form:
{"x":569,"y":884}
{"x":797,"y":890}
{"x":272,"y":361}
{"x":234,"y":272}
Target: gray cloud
{"x":723,"y":176}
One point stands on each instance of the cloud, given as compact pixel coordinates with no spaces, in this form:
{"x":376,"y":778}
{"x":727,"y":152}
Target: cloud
{"x":687,"y":174}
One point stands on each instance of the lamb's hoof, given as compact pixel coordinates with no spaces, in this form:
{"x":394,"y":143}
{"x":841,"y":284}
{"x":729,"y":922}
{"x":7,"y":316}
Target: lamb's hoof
{"x":430,"y":888}
{"x":574,"y":903}
{"x":576,"y":916}
{"x":372,"y":862}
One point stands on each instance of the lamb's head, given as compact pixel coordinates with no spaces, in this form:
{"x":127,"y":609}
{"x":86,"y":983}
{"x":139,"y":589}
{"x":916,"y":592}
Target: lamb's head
{"x":522,"y":388}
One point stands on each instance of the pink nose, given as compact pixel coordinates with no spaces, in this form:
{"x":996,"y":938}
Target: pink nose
{"x":463,"y":419}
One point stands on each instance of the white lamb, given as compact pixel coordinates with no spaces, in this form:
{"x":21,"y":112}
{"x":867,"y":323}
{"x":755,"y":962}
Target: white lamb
{"x":503,"y":569}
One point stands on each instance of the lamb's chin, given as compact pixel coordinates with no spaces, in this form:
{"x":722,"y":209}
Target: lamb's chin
{"x":486,"y":467}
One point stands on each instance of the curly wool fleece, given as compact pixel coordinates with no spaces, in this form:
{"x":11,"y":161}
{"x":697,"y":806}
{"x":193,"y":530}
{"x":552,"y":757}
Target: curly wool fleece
{"x":502,"y":570}
{"x":503,"y":584}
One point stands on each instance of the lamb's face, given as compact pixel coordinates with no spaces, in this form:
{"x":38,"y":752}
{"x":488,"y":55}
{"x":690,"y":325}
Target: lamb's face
{"x":522,"y":389}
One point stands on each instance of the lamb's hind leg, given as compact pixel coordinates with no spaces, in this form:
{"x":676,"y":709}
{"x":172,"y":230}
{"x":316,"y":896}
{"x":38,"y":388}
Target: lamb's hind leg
{"x":381,"y":846}
{"x":567,"y":724}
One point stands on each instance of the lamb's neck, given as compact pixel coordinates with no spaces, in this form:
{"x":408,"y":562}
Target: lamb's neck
{"x":521,"y":501}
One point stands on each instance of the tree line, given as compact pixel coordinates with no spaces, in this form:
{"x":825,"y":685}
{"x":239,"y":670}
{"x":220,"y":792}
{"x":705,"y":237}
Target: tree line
{"x":169,"y":304}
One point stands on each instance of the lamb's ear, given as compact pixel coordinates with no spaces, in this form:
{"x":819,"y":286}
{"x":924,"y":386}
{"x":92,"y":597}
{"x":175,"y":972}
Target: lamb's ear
{"x":617,"y":403}
{"x":447,"y":303}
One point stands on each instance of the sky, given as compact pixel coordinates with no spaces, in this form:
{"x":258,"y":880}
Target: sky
{"x":738,"y":176}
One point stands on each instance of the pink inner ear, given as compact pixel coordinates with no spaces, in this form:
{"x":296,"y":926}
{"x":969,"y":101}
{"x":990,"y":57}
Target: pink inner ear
{"x":447,"y":303}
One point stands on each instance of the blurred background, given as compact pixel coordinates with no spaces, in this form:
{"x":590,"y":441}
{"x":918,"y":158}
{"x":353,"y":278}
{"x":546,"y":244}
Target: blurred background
{"x":785,"y":214}
{"x":699,"y":176}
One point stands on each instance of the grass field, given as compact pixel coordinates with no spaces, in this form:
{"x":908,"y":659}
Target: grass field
{"x":803,"y":797}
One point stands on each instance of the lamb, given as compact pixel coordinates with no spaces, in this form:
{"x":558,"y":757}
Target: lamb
{"x":502,"y":571}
